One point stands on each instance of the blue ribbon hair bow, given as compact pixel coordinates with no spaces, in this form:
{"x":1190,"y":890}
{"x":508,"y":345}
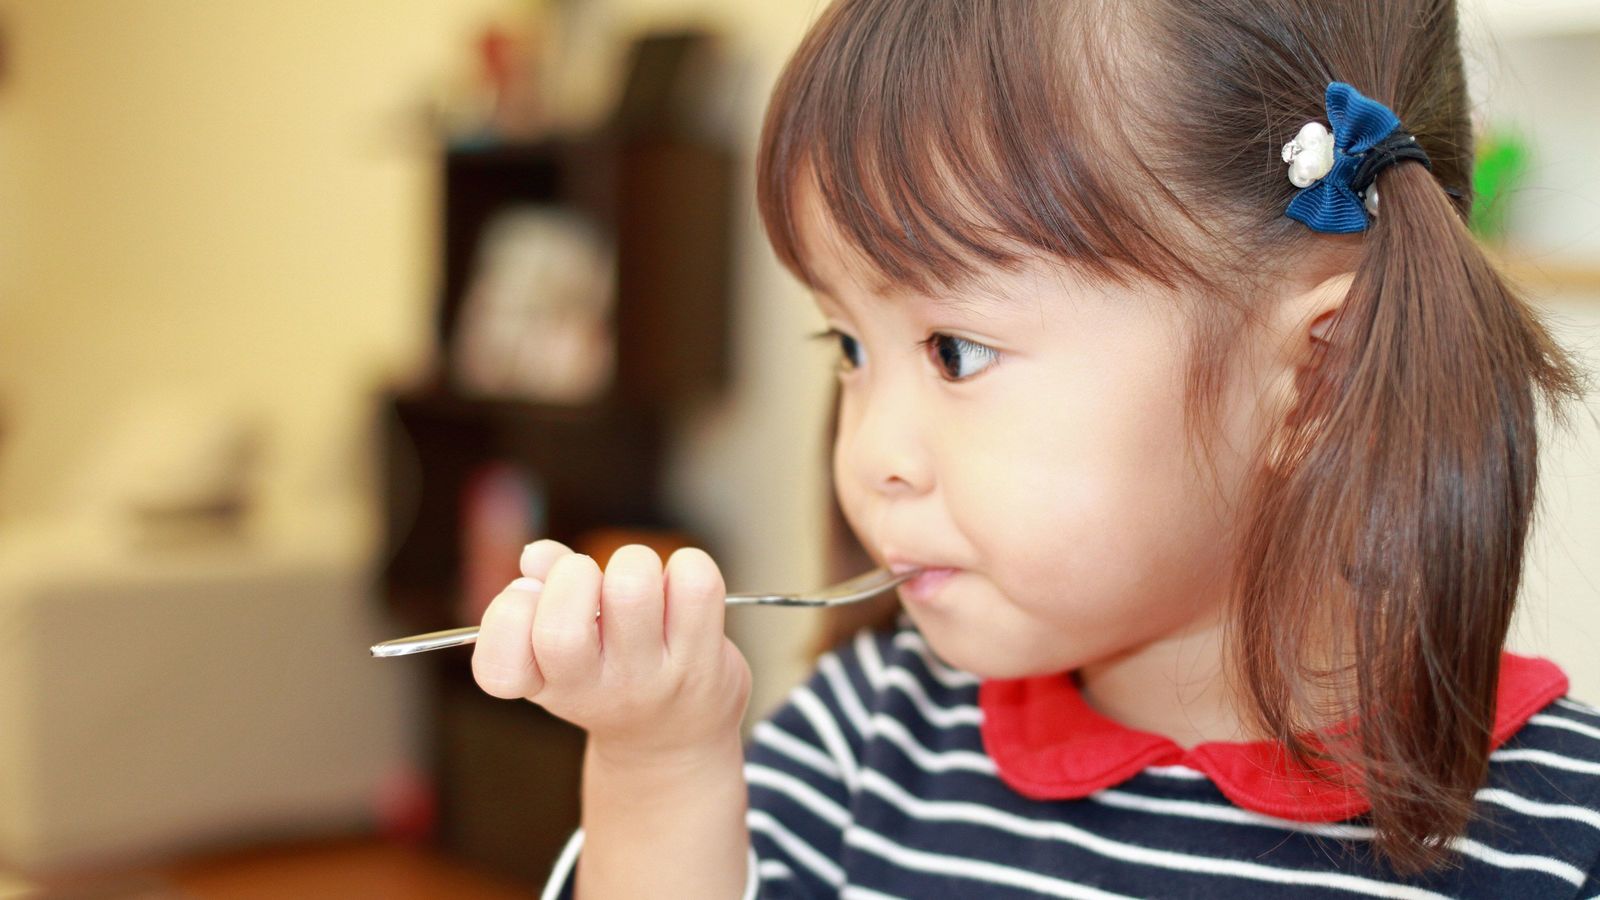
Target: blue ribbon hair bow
{"x":1359,"y":123}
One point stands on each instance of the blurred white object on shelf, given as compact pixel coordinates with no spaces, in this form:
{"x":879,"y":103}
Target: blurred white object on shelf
{"x":536,"y":321}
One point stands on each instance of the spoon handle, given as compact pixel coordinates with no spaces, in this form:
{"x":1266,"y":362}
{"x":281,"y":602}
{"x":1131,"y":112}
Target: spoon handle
{"x":433,"y":640}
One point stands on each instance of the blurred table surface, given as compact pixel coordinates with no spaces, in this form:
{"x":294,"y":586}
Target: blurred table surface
{"x":341,"y":868}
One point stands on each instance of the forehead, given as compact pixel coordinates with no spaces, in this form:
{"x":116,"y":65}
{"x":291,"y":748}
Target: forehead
{"x":834,"y":266}
{"x":839,"y":272}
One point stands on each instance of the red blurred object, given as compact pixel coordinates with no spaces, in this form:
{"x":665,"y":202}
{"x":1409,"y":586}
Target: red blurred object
{"x":509,"y":59}
{"x":406,"y":806}
{"x":501,"y":512}
{"x":495,"y":48}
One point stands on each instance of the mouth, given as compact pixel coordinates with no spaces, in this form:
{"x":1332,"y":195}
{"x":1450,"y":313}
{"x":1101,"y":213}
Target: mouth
{"x":926,"y":584}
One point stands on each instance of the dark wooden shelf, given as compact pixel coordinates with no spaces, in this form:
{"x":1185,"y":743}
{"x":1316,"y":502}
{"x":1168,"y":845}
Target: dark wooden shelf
{"x":508,"y":777}
{"x":596,"y":466}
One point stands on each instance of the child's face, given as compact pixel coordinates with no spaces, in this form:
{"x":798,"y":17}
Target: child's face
{"x":1045,"y":464}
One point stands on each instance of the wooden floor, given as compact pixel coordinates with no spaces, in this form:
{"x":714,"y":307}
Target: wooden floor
{"x":334,"y":870}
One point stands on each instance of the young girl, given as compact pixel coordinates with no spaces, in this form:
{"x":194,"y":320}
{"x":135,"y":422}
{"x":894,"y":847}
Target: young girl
{"x":1166,"y":357}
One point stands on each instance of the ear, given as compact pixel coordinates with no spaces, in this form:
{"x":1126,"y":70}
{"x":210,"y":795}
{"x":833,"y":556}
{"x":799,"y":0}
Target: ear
{"x":1298,"y":333}
{"x":1304,"y":318}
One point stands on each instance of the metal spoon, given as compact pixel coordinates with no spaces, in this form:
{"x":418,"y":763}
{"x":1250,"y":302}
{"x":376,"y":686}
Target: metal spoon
{"x":861,"y":587}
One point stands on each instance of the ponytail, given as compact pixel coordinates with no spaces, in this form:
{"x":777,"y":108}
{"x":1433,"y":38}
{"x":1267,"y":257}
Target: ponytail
{"x":1405,"y":480}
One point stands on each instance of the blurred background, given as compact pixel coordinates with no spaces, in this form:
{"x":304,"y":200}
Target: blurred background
{"x":312,"y":314}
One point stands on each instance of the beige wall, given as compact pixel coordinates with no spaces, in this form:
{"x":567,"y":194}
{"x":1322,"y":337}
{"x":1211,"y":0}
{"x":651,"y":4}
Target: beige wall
{"x":210,"y":195}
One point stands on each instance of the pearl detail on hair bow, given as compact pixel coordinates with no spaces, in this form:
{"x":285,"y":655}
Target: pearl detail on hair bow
{"x":1309,"y":155}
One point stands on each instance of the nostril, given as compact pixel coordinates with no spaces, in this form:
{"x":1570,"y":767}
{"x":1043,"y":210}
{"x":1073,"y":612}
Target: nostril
{"x":906,"y":475}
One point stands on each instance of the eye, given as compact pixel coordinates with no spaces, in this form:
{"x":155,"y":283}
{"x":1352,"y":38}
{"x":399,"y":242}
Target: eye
{"x":958,"y":359}
{"x":851,"y":354}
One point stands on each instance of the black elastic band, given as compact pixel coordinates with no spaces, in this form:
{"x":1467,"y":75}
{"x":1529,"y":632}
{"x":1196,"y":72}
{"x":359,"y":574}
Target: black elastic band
{"x":1399,"y":146}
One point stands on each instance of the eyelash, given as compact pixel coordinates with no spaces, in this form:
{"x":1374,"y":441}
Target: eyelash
{"x":930,"y":346}
{"x":838,"y":338}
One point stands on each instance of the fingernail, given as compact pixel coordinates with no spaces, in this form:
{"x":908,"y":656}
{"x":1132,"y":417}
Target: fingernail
{"x":531,"y":585}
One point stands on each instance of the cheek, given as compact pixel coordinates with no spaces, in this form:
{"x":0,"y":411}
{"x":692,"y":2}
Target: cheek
{"x":1094,"y":491}
{"x":1036,"y":528}
{"x":1026,"y":497}
{"x":846,"y":490}
{"x":1029,"y":470}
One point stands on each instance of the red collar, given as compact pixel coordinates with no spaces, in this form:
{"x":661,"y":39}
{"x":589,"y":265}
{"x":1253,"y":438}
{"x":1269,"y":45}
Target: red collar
{"x":1049,"y":744}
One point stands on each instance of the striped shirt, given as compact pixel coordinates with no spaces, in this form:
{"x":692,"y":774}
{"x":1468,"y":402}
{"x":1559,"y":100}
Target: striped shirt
{"x":873,"y":781}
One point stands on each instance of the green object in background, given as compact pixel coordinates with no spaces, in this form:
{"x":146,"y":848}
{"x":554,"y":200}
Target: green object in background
{"x":1502,"y":161}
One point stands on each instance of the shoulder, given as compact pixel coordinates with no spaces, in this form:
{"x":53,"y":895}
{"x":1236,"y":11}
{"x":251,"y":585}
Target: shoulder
{"x":1561,"y":741}
{"x":1544,"y":784}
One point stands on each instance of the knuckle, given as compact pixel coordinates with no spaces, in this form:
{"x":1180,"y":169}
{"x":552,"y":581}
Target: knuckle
{"x":560,"y":647}
{"x":502,"y":611}
{"x":573,"y":581}
{"x":504,"y":680}
{"x":633,"y":574}
{"x":630,"y":587}
{"x":574,"y":565}
{"x":694,"y":575}
{"x":539,"y":556}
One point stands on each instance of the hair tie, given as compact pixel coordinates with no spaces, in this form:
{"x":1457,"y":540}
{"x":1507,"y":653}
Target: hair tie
{"x":1335,"y":170}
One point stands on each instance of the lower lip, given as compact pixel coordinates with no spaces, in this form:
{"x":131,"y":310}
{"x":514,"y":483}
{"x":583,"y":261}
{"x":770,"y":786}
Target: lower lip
{"x":922,"y":588}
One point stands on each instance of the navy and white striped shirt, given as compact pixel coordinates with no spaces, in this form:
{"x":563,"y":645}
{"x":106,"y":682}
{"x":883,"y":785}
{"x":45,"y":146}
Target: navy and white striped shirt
{"x":872,"y":781}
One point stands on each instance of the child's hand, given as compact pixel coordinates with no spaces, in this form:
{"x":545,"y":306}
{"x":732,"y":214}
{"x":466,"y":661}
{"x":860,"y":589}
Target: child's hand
{"x":651,"y":677}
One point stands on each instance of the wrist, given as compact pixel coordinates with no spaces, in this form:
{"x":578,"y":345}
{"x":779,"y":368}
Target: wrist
{"x":664,"y":824}
{"x":644,"y":759}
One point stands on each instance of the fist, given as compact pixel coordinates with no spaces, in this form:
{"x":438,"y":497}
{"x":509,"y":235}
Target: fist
{"x":635,"y":655}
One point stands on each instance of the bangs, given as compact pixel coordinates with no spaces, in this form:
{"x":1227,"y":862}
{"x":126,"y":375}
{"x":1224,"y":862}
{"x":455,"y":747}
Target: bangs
{"x":941,"y":136}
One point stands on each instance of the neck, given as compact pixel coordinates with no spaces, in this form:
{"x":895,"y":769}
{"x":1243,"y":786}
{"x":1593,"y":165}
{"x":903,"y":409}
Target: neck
{"x":1177,"y":687}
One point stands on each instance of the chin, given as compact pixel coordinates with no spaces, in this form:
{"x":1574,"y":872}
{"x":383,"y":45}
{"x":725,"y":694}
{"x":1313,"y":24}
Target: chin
{"x":1001,"y":672}
{"x":987,"y":660}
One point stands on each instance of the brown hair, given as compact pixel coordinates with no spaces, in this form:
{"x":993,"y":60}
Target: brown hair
{"x":1140,"y":139}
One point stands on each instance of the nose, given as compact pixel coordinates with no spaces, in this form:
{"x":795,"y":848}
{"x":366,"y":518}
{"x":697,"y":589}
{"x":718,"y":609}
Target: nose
{"x":882,"y":443}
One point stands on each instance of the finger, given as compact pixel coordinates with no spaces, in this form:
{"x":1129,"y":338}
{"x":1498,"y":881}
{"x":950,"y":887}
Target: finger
{"x":539,"y":556}
{"x":566,"y":637}
{"x":632,"y":612}
{"x":695,"y":596}
{"x":502,"y":660}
